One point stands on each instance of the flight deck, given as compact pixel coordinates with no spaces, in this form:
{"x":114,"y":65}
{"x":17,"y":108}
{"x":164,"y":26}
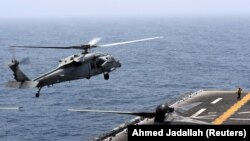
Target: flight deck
{"x":218,"y":107}
{"x":201,"y":107}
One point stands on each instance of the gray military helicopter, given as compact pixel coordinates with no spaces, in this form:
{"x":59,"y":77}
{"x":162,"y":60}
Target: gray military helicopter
{"x":78,"y":66}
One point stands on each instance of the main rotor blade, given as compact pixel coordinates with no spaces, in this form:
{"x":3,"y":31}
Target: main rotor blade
{"x":94,"y":41}
{"x":128,"y":42}
{"x":91,"y":44}
{"x":141,"y":114}
{"x":51,"y":47}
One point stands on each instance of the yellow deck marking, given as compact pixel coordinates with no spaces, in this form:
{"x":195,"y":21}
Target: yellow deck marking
{"x":232,"y":110}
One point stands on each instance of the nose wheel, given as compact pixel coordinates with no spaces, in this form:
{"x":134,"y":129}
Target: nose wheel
{"x":38,"y":92}
{"x":106,"y":76}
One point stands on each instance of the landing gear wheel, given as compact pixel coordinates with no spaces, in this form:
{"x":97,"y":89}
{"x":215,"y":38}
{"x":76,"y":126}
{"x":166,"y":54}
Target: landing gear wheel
{"x":88,"y":77}
{"x":38,"y":93}
{"x":106,"y":76}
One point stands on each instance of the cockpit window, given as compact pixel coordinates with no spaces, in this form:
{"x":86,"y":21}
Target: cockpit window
{"x":99,"y":62}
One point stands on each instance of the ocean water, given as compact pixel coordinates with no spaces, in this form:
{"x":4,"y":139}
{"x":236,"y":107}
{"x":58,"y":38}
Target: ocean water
{"x":195,"y":53}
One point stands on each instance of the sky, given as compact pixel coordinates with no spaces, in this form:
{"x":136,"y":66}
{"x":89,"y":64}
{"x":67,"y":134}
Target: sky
{"x":115,"y":8}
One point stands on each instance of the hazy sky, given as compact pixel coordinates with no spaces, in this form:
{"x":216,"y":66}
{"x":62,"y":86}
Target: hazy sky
{"x":109,"y":8}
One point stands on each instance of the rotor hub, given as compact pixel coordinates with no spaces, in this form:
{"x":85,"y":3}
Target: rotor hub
{"x":161,"y":111}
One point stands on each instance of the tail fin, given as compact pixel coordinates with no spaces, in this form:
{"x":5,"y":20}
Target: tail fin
{"x":18,"y":74}
{"x":22,"y":81}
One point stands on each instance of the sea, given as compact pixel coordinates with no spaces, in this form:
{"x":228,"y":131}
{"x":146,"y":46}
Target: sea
{"x":209,"y":53}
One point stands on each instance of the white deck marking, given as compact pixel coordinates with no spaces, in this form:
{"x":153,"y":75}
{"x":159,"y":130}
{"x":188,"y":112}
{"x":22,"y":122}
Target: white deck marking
{"x":212,"y":113}
{"x":205,"y":117}
{"x":216,"y":100}
{"x":239,"y":119}
{"x":247,"y":112}
{"x":198,"y":113}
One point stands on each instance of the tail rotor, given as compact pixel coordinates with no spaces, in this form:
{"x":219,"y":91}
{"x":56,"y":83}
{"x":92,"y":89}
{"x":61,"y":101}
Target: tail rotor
{"x":23,"y":61}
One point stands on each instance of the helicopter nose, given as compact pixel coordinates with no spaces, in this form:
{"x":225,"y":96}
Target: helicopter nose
{"x":119,"y":64}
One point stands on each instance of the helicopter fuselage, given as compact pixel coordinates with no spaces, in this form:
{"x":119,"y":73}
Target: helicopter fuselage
{"x":79,"y":66}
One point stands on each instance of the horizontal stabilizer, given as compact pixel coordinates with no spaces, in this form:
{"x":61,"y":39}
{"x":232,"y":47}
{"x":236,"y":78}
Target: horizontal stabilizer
{"x":11,"y":108}
{"x":21,"y":85}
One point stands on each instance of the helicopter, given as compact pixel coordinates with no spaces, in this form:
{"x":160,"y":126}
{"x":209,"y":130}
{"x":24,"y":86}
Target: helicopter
{"x":192,"y":108}
{"x":185,"y":110}
{"x":163,"y":114}
{"x":85,"y":64}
